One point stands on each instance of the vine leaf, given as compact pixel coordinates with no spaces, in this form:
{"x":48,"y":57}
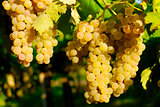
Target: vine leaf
{"x":43,"y":23}
{"x":156,"y":5}
{"x":145,"y":36}
{"x":145,"y":77}
{"x":52,"y":13}
{"x":153,"y":17}
{"x":156,"y":34}
{"x":93,"y":7}
{"x":54,"y":9}
{"x":60,"y":35}
{"x":144,"y":5}
{"x":2,"y":100}
{"x":75,"y":18}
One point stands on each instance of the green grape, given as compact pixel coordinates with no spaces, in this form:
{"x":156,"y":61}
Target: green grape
{"x":39,"y":57}
{"x":129,"y":11}
{"x":27,"y":3}
{"x":16,"y":50}
{"x":75,"y":59}
{"x":87,"y":36}
{"x":29,"y":57}
{"x":21,"y":56}
{"x":17,"y":42}
{"x":21,"y":25}
{"x":6,"y":5}
{"x":28,"y":20}
{"x":114,"y":86}
{"x":13,"y":7}
{"x":120,"y":16}
{"x":20,"y":9}
{"x":127,"y":28}
{"x":14,"y":21}
{"x":136,"y":30}
{"x":89,"y":28}
{"x":118,"y":35}
{"x":97,"y":97}
{"x":20,"y":18}
{"x":80,"y":35}
{"x":94,"y":23}
{"x":90,"y":77}
{"x":21,"y":34}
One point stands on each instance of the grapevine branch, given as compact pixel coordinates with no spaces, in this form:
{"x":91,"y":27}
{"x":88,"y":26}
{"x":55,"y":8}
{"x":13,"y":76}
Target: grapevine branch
{"x":106,"y":7}
{"x":109,"y":6}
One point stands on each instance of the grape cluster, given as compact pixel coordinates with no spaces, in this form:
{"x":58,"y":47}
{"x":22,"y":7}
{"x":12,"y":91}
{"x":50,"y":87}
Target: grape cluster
{"x":98,"y":75}
{"x":127,"y":36}
{"x":22,"y":16}
{"x":44,"y":46}
{"x":78,"y":47}
{"x":98,"y":65}
{"x":23,"y":13}
{"x":121,"y":36}
{"x":89,"y":38}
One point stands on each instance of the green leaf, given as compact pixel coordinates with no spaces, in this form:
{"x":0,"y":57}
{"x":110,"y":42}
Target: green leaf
{"x":154,"y":39}
{"x":144,"y":5}
{"x":145,"y":36}
{"x":93,"y":7}
{"x":108,"y":1}
{"x":154,"y":18}
{"x":2,"y":100}
{"x":145,"y":77}
{"x":156,"y":5}
{"x":42,"y":23}
{"x":156,"y":34}
{"x":60,"y":36}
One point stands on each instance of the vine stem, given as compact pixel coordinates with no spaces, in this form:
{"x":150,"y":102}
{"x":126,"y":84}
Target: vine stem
{"x":134,"y":7}
{"x":109,"y":6}
{"x":106,"y":7}
{"x":103,"y":11}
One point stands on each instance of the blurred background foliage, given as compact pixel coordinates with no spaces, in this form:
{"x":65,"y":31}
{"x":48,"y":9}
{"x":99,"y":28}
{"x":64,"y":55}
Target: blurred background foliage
{"x":61,"y":84}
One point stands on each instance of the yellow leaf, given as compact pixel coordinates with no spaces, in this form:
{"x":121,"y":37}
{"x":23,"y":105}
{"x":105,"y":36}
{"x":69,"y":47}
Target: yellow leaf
{"x":42,"y":23}
{"x":52,"y":13}
{"x":145,"y":77}
{"x":75,"y":18}
{"x":62,"y":8}
{"x":54,"y":9}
